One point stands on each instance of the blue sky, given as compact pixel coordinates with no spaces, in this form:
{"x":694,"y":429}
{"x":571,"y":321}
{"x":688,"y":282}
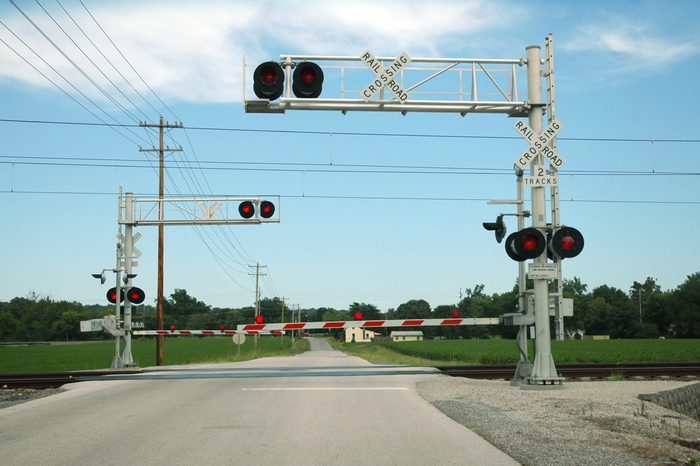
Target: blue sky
{"x":626,"y":91}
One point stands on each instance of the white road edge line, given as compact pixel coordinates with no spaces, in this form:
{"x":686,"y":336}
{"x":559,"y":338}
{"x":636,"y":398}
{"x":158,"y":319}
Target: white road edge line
{"x":283,"y":389}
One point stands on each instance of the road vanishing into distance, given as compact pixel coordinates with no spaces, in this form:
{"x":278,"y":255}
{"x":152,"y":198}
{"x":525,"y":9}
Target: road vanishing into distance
{"x":320,"y":407}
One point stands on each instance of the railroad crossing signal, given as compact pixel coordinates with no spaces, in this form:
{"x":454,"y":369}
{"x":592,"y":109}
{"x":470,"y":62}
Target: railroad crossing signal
{"x":525,"y":244}
{"x":112,"y":295}
{"x":529,"y":243}
{"x":247,"y":209}
{"x":269,"y":80}
{"x":307,"y":80}
{"x":566,"y":242}
{"x":135,"y":295}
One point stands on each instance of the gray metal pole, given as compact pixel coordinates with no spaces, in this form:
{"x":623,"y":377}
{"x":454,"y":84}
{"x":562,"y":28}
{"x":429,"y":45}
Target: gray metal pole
{"x":543,"y":369}
{"x":524,"y":368}
{"x":127,"y":358}
{"x":117,"y":360}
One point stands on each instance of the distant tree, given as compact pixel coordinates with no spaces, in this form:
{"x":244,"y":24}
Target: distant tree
{"x":334,"y":315}
{"x":413,"y":309}
{"x":182,"y":304}
{"x":368,"y":311}
{"x":685,"y":303}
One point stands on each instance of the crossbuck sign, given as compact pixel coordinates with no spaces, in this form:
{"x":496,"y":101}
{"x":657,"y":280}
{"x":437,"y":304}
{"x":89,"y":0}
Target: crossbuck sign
{"x":384,"y":76}
{"x":539,"y":144}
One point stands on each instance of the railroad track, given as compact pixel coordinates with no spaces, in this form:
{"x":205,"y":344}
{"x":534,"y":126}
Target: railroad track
{"x":54,"y":379}
{"x":578,"y":371}
{"x":487,"y":371}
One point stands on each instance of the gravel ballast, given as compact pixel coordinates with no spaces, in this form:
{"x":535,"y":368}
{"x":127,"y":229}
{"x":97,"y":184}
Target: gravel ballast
{"x":584,"y":423}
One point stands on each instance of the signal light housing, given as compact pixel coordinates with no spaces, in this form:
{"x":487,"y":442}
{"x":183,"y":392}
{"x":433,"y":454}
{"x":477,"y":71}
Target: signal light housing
{"x":259,"y":319}
{"x":566,"y":242}
{"x":267,"y":209}
{"x":112,"y":295}
{"x":499,"y":227}
{"x":525,"y":244}
{"x":268,"y":80}
{"x":357,"y":316}
{"x":246,"y":209}
{"x":135,"y":295}
{"x":307,"y":80}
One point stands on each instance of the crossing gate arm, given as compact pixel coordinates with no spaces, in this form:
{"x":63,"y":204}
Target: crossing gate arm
{"x":369,"y":324}
{"x":211,"y":333}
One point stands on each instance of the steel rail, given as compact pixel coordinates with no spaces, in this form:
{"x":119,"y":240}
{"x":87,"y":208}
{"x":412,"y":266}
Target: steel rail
{"x":578,"y":371}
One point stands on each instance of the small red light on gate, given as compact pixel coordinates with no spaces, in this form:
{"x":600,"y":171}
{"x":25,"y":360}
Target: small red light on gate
{"x":172,"y":328}
{"x":358,"y":316}
{"x":259,"y":319}
{"x":222,"y":328}
{"x":455,"y":313}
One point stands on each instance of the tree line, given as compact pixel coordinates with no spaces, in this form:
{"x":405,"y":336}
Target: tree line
{"x":642,"y":311}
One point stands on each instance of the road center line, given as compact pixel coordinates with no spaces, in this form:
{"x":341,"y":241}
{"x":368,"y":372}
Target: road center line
{"x":283,"y":389}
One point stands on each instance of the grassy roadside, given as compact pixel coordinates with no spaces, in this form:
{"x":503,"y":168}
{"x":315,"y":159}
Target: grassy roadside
{"x":178,"y":350}
{"x":498,"y":351}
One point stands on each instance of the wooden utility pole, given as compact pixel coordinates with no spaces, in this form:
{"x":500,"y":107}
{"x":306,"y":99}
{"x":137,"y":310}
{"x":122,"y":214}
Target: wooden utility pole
{"x":257,"y":298}
{"x":161,"y":192}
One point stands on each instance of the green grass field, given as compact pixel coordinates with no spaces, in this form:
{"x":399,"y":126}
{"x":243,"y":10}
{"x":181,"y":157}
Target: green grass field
{"x":98,"y":355}
{"x":499,"y":351}
{"x":189,"y":350}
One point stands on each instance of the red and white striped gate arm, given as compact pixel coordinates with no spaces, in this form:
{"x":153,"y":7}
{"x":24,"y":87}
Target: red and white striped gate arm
{"x":368,"y":323}
{"x":213,"y":333}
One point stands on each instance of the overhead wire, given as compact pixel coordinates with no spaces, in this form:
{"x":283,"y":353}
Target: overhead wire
{"x":192,"y":176}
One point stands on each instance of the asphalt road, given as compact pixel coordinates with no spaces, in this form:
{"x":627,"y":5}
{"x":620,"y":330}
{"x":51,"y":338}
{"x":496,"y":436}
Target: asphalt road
{"x":321,"y":407}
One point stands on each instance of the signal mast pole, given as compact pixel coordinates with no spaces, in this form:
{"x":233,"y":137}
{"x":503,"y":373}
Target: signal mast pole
{"x":543,"y":369}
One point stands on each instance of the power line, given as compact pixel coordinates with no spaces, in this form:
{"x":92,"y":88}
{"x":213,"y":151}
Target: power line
{"x":359,"y":133}
{"x":356,"y":168}
{"x":376,"y":198}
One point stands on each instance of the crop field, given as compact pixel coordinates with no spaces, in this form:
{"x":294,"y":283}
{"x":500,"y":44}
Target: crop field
{"x":98,"y":355}
{"x":498,"y":351}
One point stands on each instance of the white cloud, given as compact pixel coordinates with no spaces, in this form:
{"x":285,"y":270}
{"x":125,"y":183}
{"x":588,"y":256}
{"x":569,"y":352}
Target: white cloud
{"x":193,"y":51}
{"x":634,"y":43}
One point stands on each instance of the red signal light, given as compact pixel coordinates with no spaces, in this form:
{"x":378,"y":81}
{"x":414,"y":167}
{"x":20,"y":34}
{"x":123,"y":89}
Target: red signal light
{"x":308,"y":76}
{"x":530,"y":243}
{"x":172,"y":328}
{"x":222,"y":327}
{"x":455,"y":313}
{"x":246,"y":209}
{"x":566,"y":242}
{"x":307,"y":80}
{"x":259,"y":319}
{"x":527,"y":243}
{"x":358,"y":316}
{"x":268,"y":80}
{"x":112,"y":295}
{"x":267,"y":209}
{"x":135,"y":295}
